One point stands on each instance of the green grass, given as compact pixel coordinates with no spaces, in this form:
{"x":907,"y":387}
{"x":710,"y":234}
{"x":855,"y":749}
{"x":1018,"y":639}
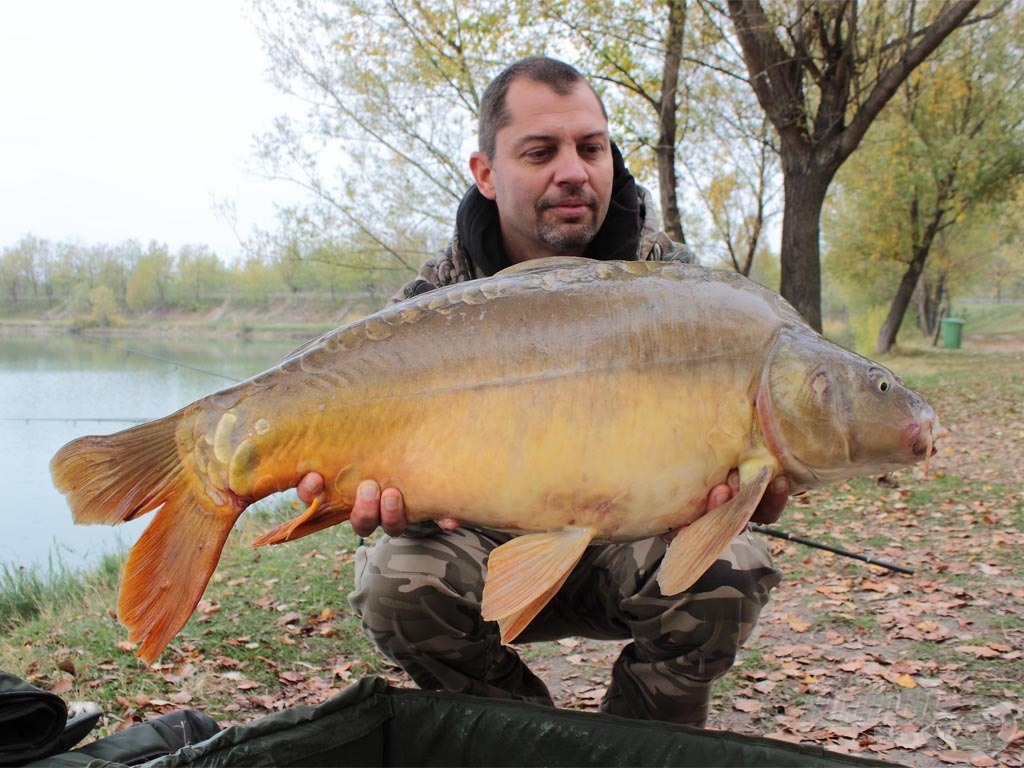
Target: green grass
{"x":25,"y":592}
{"x":988,"y":319}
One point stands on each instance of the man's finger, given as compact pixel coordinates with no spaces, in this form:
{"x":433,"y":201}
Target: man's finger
{"x":365,"y":515}
{"x":392,"y":512}
{"x":773,"y":502}
{"x":310,"y":486}
{"x":718,"y":496}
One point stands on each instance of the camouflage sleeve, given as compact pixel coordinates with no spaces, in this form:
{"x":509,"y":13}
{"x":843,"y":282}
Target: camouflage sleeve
{"x":425,"y":281}
{"x":444,"y":268}
{"x":655,"y":245}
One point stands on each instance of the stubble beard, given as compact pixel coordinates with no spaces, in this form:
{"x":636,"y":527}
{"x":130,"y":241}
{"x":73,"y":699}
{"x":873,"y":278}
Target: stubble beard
{"x":572,"y":236}
{"x":567,"y":238}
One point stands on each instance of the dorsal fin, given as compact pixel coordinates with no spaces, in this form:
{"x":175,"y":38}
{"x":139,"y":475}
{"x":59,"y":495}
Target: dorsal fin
{"x":545,"y":264}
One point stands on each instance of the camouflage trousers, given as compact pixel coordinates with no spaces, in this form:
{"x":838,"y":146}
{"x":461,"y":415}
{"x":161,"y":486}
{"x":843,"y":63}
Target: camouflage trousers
{"x":419,"y":599}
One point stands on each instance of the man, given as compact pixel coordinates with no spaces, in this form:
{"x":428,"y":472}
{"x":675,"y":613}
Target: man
{"x":549,"y":182}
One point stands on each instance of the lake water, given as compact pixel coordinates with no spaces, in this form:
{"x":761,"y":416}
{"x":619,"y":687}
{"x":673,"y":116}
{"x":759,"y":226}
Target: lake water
{"x":56,"y":388}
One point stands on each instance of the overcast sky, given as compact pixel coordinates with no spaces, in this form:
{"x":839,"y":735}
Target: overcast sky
{"x":129,"y":119}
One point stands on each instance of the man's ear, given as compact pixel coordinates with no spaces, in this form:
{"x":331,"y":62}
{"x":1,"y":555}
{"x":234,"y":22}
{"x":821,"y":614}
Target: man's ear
{"x":480,"y":167}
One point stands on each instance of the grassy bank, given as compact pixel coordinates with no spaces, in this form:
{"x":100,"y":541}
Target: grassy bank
{"x":922,"y":669}
{"x":267,"y":614}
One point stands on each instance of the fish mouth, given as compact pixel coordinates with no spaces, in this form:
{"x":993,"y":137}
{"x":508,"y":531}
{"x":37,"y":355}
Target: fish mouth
{"x":918,"y":439}
{"x":922,"y":437}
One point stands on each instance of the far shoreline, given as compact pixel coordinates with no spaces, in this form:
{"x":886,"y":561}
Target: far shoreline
{"x":171,"y":327}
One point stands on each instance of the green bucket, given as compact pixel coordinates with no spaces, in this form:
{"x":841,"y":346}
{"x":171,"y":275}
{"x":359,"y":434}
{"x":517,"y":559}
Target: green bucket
{"x":952,"y":332}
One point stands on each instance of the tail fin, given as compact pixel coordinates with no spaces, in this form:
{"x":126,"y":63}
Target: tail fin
{"x":168,"y":570}
{"x":114,"y":478}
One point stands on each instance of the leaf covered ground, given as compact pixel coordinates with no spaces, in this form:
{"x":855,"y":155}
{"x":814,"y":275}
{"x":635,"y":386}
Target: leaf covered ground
{"x":922,"y":669}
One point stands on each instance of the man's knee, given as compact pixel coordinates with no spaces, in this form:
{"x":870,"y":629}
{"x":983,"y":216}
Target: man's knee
{"x":418,"y":588}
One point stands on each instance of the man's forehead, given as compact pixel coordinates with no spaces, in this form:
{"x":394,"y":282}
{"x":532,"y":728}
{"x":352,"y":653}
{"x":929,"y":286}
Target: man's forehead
{"x":536,"y":110}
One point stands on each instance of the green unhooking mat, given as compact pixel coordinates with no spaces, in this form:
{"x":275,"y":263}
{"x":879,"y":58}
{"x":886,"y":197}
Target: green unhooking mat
{"x":31,"y":720}
{"x":36,"y":730}
{"x":371,"y":724}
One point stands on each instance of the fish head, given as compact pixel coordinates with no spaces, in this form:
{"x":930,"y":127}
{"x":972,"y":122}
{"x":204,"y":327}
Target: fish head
{"x":828,"y":414}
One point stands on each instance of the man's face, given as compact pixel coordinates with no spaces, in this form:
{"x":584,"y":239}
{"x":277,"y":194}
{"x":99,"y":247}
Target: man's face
{"x":551,"y":173}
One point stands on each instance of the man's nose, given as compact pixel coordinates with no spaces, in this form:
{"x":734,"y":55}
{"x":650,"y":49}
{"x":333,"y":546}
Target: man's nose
{"x":570,"y":168}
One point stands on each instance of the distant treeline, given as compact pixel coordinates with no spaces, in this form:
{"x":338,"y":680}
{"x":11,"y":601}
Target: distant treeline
{"x":97,"y":284}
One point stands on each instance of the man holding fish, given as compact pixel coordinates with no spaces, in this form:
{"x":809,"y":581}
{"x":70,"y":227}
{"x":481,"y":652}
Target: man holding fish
{"x":549,"y":182}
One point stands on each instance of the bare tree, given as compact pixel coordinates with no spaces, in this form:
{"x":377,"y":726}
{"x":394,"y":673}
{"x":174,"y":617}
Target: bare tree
{"x":822,"y":71}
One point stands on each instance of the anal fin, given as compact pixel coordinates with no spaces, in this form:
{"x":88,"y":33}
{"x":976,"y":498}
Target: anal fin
{"x":697,"y":546}
{"x":525,"y":573}
{"x":318,"y":515}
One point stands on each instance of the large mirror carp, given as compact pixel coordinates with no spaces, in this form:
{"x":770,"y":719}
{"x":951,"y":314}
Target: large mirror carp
{"x":569,"y":400}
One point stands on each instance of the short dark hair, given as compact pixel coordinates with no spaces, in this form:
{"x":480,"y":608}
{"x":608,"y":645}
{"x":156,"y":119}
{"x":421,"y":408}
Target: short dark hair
{"x":562,"y":78}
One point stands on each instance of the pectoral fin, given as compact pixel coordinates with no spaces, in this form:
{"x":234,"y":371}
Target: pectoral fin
{"x":525,"y":573}
{"x":698,"y":545}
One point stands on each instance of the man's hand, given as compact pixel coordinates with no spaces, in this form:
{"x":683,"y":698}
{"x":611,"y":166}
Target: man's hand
{"x":768,"y":510}
{"x":773,"y":502}
{"x":373,"y":507}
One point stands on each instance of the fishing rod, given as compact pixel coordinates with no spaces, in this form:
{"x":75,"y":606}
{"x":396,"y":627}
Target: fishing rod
{"x":869,"y":558}
{"x":73,"y":419}
{"x":127,"y":351}
{"x":151,"y":356}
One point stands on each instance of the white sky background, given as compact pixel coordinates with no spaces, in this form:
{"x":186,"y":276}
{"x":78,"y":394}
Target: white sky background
{"x":124,"y":119}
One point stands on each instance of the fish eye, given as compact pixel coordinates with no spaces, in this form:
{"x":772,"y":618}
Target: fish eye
{"x":882,"y":382}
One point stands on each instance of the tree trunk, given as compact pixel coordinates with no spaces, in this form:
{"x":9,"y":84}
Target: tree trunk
{"x":665,"y":152}
{"x":898,"y":307}
{"x":800,"y":282}
{"x":929,"y":300}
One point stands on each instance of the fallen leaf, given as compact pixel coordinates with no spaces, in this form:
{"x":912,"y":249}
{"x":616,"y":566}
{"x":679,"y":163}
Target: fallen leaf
{"x":797,"y":624}
{"x":910,"y":739}
{"x":181,"y":697}
{"x":981,"y":651}
{"x":750,"y":706}
{"x":206,"y":608}
{"x":956,"y":756}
